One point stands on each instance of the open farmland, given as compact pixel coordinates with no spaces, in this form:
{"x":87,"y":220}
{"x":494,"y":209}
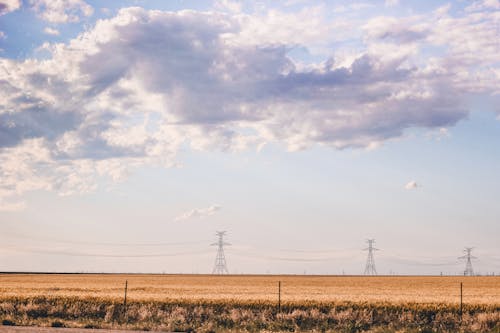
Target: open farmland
{"x":242,"y":302}
{"x":434,"y":289}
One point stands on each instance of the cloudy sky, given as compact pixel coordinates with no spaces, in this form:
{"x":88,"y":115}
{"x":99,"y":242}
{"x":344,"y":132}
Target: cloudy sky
{"x":130,"y":131}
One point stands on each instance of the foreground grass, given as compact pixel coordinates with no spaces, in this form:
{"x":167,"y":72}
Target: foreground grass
{"x":235,"y":315}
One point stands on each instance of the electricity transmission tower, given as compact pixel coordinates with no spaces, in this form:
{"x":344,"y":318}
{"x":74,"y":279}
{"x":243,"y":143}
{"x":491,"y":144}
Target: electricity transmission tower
{"x":468,"y":265}
{"x":220,"y":266}
{"x":370,"y":261}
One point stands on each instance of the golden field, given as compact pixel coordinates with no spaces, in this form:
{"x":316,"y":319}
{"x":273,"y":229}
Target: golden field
{"x":296,"y":289}
{"x":248,"y":303}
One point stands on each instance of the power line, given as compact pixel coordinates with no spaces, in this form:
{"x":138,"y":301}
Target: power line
{"x":419,"y":262}
{"x":468,"y":264}
{"x":220,"y":266}
{"x":117,"y":244}
{"x":370,"y":261}
{"x":103,"y":255}
{"x":279,"y":258}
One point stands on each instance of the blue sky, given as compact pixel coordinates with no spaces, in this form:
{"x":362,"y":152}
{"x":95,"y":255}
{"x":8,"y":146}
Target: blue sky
{"x":130,"y":131}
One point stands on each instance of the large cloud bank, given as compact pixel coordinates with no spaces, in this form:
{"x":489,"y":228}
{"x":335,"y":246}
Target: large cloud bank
{"x":135,"y":88}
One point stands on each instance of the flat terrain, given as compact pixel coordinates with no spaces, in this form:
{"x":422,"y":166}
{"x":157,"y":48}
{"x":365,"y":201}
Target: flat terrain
{"x":247,"y":303}
{"x":296,"y":289}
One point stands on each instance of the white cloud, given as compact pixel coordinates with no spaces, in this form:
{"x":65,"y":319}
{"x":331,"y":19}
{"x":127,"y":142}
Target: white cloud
{"x":51,"y":31}
{"x":412,"y":185}
{"x":361,"y":5}
{"x":106,"y":11}
{"x":391,"y":3}
{"x":31,"y":166}
{"x":120,"y":96}
{"x":231,"y":6}
{"x":62,"y":11}
{"x":274,"y":27}
{"x":439,"y":134}
{"x":352,"y":7}
{"x":389,"y":29}
{"x":198,"y":213}
{"x":6,"y":206}
{"x":2,"y":35}
{"x":483,"y":5}
{"x":7,"y":6}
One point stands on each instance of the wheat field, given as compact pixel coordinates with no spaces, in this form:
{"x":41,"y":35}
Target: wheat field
{"x":248,"y":303}
{"x":400,"y":289}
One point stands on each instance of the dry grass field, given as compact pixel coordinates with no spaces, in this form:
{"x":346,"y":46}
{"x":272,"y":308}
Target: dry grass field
{"x":418,"y":289}
{"x":210,"y":303}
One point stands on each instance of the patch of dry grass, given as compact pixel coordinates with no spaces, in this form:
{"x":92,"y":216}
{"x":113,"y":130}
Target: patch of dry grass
{"x":223,"y":315}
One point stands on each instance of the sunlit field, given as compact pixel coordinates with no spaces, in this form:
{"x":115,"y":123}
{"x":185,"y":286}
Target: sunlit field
{"x":435,"y":289}
{"x":207,"y":303}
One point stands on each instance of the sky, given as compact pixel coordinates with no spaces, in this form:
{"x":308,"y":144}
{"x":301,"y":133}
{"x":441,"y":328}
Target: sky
{"x":132,"y":131}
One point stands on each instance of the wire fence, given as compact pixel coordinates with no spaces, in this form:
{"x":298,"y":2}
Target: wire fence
{"x":321,"y":289}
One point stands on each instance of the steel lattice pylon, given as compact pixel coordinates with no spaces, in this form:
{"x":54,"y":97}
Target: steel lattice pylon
{"x":220,"y":266}
{"x":370,"y":261}
{"x":468,"y":265}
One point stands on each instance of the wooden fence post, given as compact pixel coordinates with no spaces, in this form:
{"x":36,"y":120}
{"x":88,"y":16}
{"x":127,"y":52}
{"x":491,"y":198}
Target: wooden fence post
{"x":461,"y":300}
{"x":125,"y":298}
{"x":279,"y":296}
